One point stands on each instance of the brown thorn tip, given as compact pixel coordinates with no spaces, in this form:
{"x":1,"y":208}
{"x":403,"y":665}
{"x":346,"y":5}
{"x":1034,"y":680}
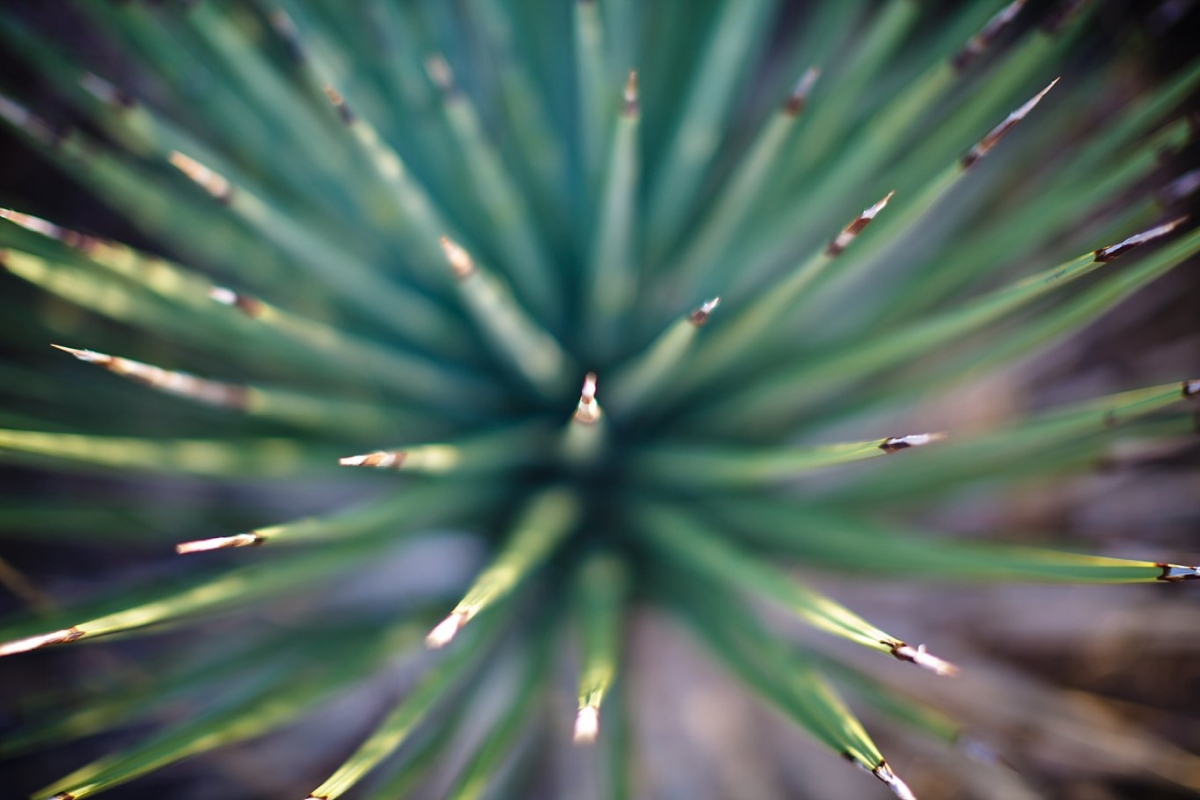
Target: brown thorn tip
{"x":1113,"y":251}
{"x":922,"y":658}
{"x":219,"y":543}
{"x":588,"y":411}
{"x":90,"y":356}
{"x":980,"y":42}
{"x":587,"y":725}
{"x":1174,"y":573}
{"x":630,"y":97}
{"x":63,"y":796}
{"x":208,"y":180}
{"x":382,"y":459}
{"x":446,"y":630}
{"x":993,"y":137}
{"x":799,"y":95}
{"x":249,"y":306}
{"x":894,"y":443}
{"x":899,"y":788}
{"x":30,"y":222}
{"x":701,"y":314}
{"x":843,"y":239}
{"x":41,"y":640}
{"x":460,"y":260}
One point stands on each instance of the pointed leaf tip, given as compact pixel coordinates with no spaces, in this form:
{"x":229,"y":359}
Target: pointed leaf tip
{"x":993,"y":137}
{"x":1174,"y":573}
{"x":980,"y":42}
{"x":895,"y":443}
{"x":799,"y":95}
{"x":588,"y":411}
{"x":890,"y":779}
{"x":922,"y":658}
{"x":587,"y":725}
{"x":460,"y":260}
{"x":632,"y":106}
{"x":1114,"y":251}
{"x":207,"y":179}
{"x":382,"y":459}
{"x":28,"y":643}
{"x":848,"y":234}
{"x":446,"y":630}
{"x":220,"y":543}
{"x":704,"y":311}
{"x":90,"y":356}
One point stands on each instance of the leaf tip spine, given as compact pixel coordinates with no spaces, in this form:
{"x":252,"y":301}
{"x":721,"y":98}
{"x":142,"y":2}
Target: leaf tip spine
{"x":1114,"y":251}
{"x":893,"y":444}
{"x":24,"y":645}
{"x":252,"y":539}
{"x":993,"y":137}
{"x":210,"y":181}
{"x":446,"y":630}
{"x":979,"y":43}
{"x":798,"y":97}
{"x":461,"y":263}
{"x":632,"y":105}
{"x":587,"y":725}
{"x":588,"y":411}
{"x":250,"y":306}
{"x":700,"y":316}
{"x":848,"y":234}
{"x":1174,"y":573}
{"x":922,"y":658}
{"x":890,"y":779}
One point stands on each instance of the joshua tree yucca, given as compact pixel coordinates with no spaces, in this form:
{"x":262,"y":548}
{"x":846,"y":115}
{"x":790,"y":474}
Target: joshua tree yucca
{"x":761,"y":236}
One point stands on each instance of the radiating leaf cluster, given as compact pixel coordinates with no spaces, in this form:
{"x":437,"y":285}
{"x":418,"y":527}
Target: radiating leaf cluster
{"x":399,"y":235}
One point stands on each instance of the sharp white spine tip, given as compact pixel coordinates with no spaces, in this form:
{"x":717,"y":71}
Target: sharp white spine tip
{"x":28,"y":643}
{"x":460,"y":260}
{"x":90,"y":356}
{"x":894,"y":443}
{"x":588,"y":411}
{"x":1105,"y":254}
{"x":209,"y":180}
{"x":993,"y":137}
{"x":32,"y":223}
{"x":899,"y":788}
{"x":219,"y":543}
{"x":226,"y":297}
{"x":922,"y":658}
{"x":381,"y":459}
{"x":445,"y":631}
{"x":704,"y":311}
{"x":587,"y":725}
{"x":1173,"y":573}
{"x":631,"y":92}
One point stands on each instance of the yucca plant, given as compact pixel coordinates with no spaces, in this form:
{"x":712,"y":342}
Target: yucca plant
{"x":400,"y":237}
